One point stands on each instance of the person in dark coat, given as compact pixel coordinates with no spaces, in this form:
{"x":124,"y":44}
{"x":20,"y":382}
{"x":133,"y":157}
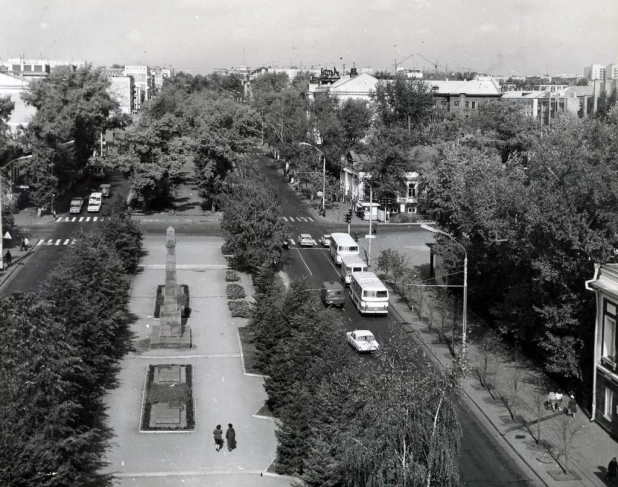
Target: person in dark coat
{"x":230,"y":436}
{"x":9,"y":258}
{"x":218,"y":435}
{"x":572,"y":406}
{"x":612,"y":468}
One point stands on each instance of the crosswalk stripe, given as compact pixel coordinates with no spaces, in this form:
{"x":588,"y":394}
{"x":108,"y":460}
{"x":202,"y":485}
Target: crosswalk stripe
{"x":95,"y":218}
{"x":310,"y":219}
{"x":291,"y":219}
{"x":74,"y":218}
{"x":87,"y":218}
{"x":73,"y":242}
{"x":66,"y":242}
{"x":40,"y":242}
{"x":58,"y":241}
{"x":284,"y":219}
{"x":292,"y":241}
{"x":50,"y":241}
{"x":81,"y":218}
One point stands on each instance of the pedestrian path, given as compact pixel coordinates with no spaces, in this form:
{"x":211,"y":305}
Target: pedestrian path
{"x":79,"y":219}
{"x":56,"y":241}
{"x":305,"y":219}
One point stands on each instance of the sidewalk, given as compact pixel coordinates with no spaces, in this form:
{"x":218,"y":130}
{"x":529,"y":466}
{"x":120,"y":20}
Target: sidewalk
{"x":591,"y":448}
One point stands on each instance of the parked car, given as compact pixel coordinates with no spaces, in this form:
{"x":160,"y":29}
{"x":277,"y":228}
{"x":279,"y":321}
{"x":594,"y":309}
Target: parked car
{"x":106,"y":190}
{"x":325,"y":240}
{"x":305,"y":240}
{"x":362,"y":341}
{"x":94,"y":202}
{"x":332,"y":293}
{"x":77,"y":205}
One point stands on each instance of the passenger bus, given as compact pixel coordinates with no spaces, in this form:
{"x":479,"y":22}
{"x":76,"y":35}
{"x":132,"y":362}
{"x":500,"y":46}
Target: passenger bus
{"x":349,"y":264}
{"x":368,"y":293}
{"x":342,"y":244}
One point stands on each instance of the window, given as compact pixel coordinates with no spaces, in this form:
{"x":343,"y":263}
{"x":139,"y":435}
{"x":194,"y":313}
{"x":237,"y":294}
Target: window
{"x":467,"y":104}
{"x":609,"y":338}
{"x":456,"y":103}
{"x":609,"y":401}
{"x":412,"y":190}
{"x":473,"y":105}
{"x":411,"y":209}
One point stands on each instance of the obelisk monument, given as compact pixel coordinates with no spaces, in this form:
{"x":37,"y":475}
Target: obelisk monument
{"x":171,"y":325}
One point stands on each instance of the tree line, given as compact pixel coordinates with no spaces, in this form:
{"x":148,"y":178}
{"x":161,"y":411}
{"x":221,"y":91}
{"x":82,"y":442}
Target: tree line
{"x":342,"y":421}
{"x":60,"y":350}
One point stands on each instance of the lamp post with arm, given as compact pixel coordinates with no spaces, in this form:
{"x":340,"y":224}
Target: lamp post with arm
{"x":323,"y":176}
{"x":464,"y":330}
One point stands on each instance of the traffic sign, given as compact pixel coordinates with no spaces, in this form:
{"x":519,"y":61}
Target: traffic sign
{"x":7,"y":235}
{"x":370,"y":236}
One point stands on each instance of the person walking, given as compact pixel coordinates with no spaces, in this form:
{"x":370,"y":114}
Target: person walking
{"x":572,"y":406}
{"x":9,"y":258}
{"x":230,"y":436}
{"x":612,"y":468}
{"x":218,"y":435}
{"x":25,"y":243}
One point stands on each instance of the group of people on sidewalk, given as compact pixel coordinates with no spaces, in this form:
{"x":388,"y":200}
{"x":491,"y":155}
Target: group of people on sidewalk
{"x":230,"y":436}
{"x":8,"y":257}
{"x":556,"y":401}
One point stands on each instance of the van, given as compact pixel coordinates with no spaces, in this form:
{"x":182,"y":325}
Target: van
{"x":349,"y":264}
{"x":332,"y":293}
{"x":94,"y":202}
{"x":97,"y":171}
{"x":106,"y":189}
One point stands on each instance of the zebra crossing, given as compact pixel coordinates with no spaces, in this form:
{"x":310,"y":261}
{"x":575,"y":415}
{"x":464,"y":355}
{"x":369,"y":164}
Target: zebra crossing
{"x":56,"y":241}
{"x":79,"y":219}
{"x":305,"y":219}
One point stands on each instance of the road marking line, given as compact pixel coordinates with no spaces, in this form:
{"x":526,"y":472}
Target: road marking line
{"x":66,"y":242}
{"x":310,"y":219}
{"x":87,"y":218}
{"x":81,"y":218}
{"x":284,"y":219}
{"x":40,"y":242}
{"x":50,"y":241}
{"x":304,"y":262}
{"x":291,"y":219}
{"x":74,"y":218}
{"x":292,"y":241}
{"x":302,"y":218}
{"x":330,"y":261}
{"x":58,"y":241}
{"x":73,"y":241}
{"x":94,"y":219}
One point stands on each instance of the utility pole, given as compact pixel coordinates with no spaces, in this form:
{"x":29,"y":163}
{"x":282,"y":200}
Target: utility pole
{"x":370,"y":219}
{"x":1,"y":234}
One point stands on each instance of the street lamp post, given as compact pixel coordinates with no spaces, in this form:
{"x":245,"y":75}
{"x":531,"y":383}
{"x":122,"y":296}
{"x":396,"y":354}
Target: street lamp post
{"x":464,"y":324}
{"x":323,"y":176}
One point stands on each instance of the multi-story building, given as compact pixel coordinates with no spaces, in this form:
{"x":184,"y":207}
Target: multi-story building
{"x":595,"y":71}
{"x":158,"y":75}
{"x":353,"y":86}
{"x":605,"y":373}
{"x":38,"y":67}
{"x":142,"y":85}
{"x":122,"y":89}
{"x":464,"y":95}
{"x":13,"y":86}
{"x":611,"y":71}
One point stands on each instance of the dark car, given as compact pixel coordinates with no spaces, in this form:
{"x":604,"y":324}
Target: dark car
{"x":332,"y":293}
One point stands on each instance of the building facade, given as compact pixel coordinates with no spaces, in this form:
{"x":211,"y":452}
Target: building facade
{"x":13,"y":86}
{"x":142,"y":85}
{"x":605,"y":374}
{"x":463,"y":96}
{"x":122,"y":90}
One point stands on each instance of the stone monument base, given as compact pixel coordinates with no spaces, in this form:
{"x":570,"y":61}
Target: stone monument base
{"x":159,"y":339}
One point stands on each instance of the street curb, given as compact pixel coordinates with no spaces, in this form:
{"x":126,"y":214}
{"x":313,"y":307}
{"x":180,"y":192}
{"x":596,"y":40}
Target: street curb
{"x":437,"y":361}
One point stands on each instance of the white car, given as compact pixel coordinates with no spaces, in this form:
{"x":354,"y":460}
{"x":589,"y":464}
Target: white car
{"x":306,"y":240}
{"x":362,"y":341}
{"x":325,"y":240}
{"x":94,"y":202}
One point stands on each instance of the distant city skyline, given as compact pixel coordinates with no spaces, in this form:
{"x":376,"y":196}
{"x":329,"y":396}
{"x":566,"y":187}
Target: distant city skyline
{"x":506,"y":37}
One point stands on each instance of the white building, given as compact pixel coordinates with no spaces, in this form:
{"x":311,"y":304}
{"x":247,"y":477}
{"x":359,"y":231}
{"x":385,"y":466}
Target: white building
{"x":357,"y":87}
{"x":595,"y":71}
{"x":122,"y":90}
{"x":142,"y":85}
{"x":13,"y":86}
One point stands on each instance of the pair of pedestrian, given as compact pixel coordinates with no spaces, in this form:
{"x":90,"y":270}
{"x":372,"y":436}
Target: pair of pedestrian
{"x":25,"y":243}
{"x":230,"y":436}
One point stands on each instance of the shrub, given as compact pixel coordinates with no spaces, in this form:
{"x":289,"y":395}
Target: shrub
{"x":404,"y":218}
{"x":240,"y":309}
{"x":225,"y":249}
{"x":232,"y":276}
{"x":235,"y":291}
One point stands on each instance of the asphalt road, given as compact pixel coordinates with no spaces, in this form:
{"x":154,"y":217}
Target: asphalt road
{"x":483,"y":458}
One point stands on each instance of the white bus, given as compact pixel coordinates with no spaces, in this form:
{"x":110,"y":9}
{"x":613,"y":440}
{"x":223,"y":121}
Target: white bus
{"x":349,"y":264}
{"x":342,"y":244}
{"x":368,"y":293}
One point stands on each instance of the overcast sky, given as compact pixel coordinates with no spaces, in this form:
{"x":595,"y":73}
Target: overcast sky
{"x":494,"y":36}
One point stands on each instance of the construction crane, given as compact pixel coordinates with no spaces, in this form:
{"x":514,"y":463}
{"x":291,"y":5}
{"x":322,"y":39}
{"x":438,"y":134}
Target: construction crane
{"x":401,"y":62}
{"x":435,"y":65}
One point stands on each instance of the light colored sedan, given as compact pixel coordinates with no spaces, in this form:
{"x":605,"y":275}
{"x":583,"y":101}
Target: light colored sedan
{"x":325,"y":240}
{"x":362,"y":341}
{"x":305,"y":240}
